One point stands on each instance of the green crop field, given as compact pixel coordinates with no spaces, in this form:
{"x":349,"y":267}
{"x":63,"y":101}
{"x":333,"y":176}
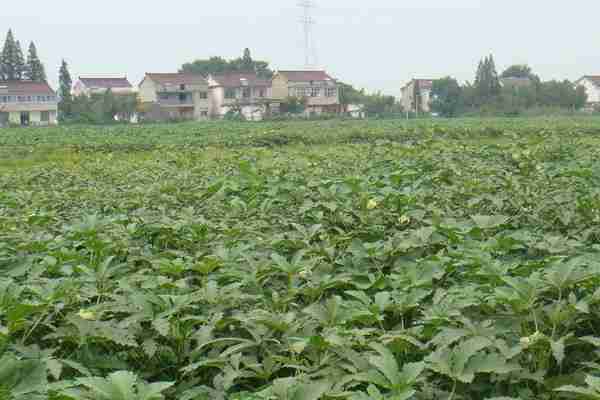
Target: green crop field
{"x":301,"y":261}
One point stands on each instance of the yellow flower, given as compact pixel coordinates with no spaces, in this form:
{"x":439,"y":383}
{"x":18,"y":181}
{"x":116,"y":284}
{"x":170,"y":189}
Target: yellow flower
{"x":372,"y":204}
{"x":88,"y":315}
{"x":404,"y":220}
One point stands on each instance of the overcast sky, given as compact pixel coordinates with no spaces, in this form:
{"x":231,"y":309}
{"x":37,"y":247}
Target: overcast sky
{"x":376,"y":44}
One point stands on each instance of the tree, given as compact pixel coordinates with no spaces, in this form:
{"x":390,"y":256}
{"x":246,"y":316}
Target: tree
{"x":378,"y":103}
{"x":517,"y":71}
{"x":34,"y":70}
{"x":447,"y":97}
{"x":65,"y":106}
{"x":349,"y":95}
{"x":581,"y":97}
{"x":487,"y":83}
{"x":19,"y":62}
{"x":219,"y":65}
{"x":293,"y":105}
{"x":9,"y":60}
{"x":247,"y":63}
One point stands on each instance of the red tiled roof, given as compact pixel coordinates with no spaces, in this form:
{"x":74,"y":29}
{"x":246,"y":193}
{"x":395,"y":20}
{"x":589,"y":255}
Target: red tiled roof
{"x":19,"y":88}
{"x":108,"y":83}
{"x":234,"y":80}
{"x":306,"y":76}
{"x":177,"y":78}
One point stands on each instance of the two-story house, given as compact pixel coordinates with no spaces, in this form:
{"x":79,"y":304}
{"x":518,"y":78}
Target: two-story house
{"x":173,"y":96}
{"x":97,"y":85}
{"x":27,"y":103}
{"x":320,"y":90}
{"x":417,"y":92}
{"x":245,"y":93}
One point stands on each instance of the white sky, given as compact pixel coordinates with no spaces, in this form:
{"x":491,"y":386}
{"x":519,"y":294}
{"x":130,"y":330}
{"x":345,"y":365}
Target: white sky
{"x":376,"y":44}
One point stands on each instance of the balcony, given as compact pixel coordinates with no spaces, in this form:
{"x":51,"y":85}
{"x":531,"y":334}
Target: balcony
{"x":179,"y":99}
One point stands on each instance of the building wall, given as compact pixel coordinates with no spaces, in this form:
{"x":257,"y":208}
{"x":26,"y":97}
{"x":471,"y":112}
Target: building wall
{"x":592,"y":91}
{"x":279,"y":87}
{"x":196,"y":108}
{"x":147,"y":92}
{"x":35,"y":118}
{"x":201,"y":106}
{"x":408,"y":98}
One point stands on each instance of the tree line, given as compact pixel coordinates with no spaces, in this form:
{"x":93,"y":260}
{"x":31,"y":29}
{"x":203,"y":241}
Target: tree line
{"x":516,"y":91}
{"x":14,"y":66}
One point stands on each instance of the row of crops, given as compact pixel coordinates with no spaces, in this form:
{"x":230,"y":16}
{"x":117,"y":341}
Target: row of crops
{"x":301,"y":261}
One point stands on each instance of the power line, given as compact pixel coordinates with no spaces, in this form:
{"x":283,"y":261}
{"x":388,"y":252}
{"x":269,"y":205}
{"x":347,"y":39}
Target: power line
{"x":307,"y":22}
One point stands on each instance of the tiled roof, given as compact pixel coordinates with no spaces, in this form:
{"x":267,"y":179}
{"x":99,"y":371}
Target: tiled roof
{"x":20,"y":88}
{"x":235,"y":79}
{"x":306,"y":76}
{"x":108,"y":83}
{"x":177,"y":78}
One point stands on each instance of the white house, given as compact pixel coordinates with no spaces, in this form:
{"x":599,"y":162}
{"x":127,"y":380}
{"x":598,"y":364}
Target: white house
{"x":27,"y":103}
{"x":409,"y":95}
{"x":245,"y":93}
{"x":591,"y":83}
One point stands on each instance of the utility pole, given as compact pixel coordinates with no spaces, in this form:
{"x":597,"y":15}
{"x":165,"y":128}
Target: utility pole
{"x":307,"y":22}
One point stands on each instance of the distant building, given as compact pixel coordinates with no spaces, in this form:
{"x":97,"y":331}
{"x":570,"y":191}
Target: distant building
{"x":97,"y":85}
{"x":173,"y":96}
{"x":27,"y":103}
{"x":409,"y":100}
{"x":591,"y":83}
{"x":319,"y":89}
{"x":245,"y":93}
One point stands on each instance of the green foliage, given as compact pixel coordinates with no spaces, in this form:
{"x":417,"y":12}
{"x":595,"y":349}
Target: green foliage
{"x":34,"y":70}
{"x":447,"y":97}
{"x":12,"y":64}
{"x":314,"y":260}
{"x":487,"y":84}
{"x":65,"y":105}
{"x":216,"y":65}
{"x":293,"y":105}
{"x":518,"y":71}
{"x":103,"y":108}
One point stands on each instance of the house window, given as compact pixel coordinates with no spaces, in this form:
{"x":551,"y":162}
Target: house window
{"x":331,"y":92}
{"x":163,"y":96}
{"x":21,"y":99}
{"x":203,"y":95}
{"x":261,"y":92}
{"x":302,"y":92}
{"x":40,"y":99}
{"x":3,"y":99}
{"x":45,"y":117}
{"x":315,"y":92}
{"x":182,"y":87}
{"x":29,"y":99}
{"x":230,"y":94}
{"x":183,"y":97}
{"x":49,"y":98}
{"x":246,"y":92}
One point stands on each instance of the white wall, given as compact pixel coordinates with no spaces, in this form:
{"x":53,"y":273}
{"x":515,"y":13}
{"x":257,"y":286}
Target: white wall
{"x":592,"y":91}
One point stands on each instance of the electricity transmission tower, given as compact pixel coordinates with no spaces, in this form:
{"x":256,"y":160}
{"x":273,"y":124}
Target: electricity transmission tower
{"x":307,"y":22}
